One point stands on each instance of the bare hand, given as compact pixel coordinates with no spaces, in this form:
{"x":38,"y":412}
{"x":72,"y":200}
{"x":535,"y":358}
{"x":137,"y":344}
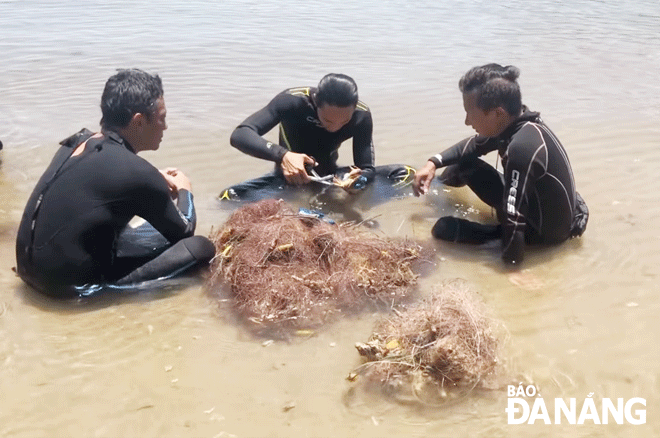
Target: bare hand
{"x":176,"y":180}
{"x":423,"y":178}
{"x":293,"y":168}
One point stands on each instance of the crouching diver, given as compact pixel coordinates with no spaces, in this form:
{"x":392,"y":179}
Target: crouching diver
{"x":313,"y":123}
{"x":73,"y":238}
{"x":535,"y":198}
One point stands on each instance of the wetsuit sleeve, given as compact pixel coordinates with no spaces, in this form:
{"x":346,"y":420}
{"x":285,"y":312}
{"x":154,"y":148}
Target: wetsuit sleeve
{"x":467,"y":149}
{"x":247,"y":137}
{"x":186,"y":206}
{"x":174,"y":221}
{"x":363,"y":145}
{"x":527,"y":158}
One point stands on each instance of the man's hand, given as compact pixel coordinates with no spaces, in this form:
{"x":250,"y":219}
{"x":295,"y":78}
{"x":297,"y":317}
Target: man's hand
{"x":176,"y":180}
{"x":293,"y":168}
{"x":423,"y":178}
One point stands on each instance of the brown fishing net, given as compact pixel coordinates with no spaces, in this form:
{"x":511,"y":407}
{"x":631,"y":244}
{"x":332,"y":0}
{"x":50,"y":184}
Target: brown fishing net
{"x":287,"y":271}
{"x":437,"y":350}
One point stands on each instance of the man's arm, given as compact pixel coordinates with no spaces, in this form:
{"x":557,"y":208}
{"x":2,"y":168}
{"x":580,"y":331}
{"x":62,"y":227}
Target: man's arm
{"x":469,"y":148}
{"x":247,"y":137}
{"x":526,"y":163}
{"x":363,"y":144}
{"x":153,"y":196}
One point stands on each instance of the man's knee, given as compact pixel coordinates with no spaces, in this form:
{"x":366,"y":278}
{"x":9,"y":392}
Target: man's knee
{"x":201,"y":248}
{"x":454,"y":176}
{"x":467,"y":172}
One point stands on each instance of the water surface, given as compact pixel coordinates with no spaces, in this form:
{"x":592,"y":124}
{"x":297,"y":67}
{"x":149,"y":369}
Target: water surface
{"x":176,"y":363}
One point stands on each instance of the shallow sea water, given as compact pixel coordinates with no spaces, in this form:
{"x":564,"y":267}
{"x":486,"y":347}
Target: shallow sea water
{"x":176,"y":362}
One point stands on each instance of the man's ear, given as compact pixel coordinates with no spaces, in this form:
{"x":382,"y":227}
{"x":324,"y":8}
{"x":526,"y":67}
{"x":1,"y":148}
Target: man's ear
{"x":501,"y":112}
{"x":137,"y":121}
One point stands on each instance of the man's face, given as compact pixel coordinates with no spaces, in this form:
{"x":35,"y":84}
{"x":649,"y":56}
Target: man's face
{"x":154,"y":125}
{"x":333,"y":118}
{"x":486,"y":123}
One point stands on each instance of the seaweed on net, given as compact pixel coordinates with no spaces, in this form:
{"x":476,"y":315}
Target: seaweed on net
{"x":445,"y":344}
{"x":285,"y":270}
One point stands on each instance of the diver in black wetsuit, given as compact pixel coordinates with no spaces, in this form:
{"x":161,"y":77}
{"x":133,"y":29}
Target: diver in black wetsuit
{"x":313,"y":124}
{"x":69,"y":235}
{"x":535,"y":199}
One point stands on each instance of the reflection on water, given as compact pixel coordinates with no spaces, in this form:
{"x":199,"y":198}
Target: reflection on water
{"x":176,"y":363}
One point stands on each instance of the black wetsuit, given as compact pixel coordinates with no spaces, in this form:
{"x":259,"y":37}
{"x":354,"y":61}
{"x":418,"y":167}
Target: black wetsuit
{"x":69,"y":233}
{"x":302,"y":132}
{"x":535,"y":198}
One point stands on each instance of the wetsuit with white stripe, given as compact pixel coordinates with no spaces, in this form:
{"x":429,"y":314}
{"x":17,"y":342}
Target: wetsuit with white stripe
{"x":302,"y":132}
{"x":69,"y":232}
{"x":535,"y":198}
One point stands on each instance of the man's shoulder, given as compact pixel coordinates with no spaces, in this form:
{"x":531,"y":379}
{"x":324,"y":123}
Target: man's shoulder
{"x":294,"y":100}
{"x":77,"y":138}
{"x":362,"y":115}
{"x":297,"y":96}
{"x":530,"y":131}
{"x":302,"y":92}
{"x":127,"y":165}
{"x":362,"y":107}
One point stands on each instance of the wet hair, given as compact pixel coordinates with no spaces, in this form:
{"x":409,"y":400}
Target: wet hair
{"x":495,"y":86}
{"x":127,"y":93}
{"x":338,"y":90}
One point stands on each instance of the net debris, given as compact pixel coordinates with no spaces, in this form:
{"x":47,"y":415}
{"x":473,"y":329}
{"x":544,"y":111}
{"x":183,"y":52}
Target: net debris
{"x":290,"y":270}
{"x":436,"y":351}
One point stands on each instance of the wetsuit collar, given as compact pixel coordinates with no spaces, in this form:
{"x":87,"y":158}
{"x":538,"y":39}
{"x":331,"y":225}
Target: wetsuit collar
{"x":526,"y":116}
{"x":529,"y":116}
{"x":118,"y":139}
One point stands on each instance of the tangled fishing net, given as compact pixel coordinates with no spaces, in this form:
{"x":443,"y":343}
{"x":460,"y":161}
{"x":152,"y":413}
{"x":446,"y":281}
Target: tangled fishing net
{"x":287,"y":270}
{"x":439,"y":349}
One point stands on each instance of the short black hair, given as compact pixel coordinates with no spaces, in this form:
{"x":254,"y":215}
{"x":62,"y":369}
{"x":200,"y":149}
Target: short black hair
{"x":127,"y":93}
{"x":338,"y":90}
{"x":495,"y":86}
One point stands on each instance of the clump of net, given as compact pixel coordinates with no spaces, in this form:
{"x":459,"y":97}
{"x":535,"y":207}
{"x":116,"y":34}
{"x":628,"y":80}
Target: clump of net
{"x":286,"y":270}
{"x":437,"y":350}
